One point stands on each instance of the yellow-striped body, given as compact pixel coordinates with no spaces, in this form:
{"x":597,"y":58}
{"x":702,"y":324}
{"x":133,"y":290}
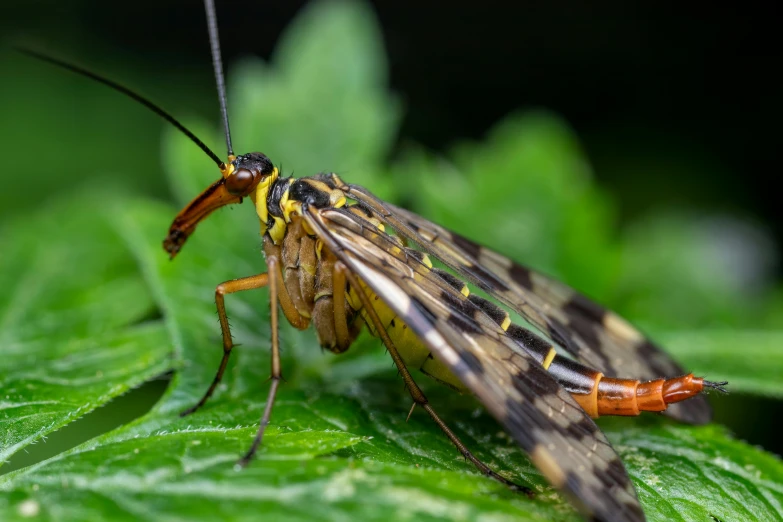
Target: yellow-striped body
{"x":308,"y":271}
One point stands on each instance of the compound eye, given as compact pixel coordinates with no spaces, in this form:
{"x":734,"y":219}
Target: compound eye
{"x":239,"y":182}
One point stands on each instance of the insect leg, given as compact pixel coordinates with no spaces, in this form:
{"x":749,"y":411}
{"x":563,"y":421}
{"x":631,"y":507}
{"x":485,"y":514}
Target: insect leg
{"x":229,"y":287}
{"x":297,"y":320}
{"x":416,"y":394}
{"x":275,"y":285}
{"x":339,"y":287}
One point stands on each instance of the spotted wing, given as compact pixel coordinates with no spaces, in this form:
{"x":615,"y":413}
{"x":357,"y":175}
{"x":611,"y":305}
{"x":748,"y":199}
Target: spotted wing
{"x":592,"y":334}
{"x":562,"y":441}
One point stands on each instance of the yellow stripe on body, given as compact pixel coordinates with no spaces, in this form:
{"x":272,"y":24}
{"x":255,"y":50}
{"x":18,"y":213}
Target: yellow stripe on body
{"x":277,"y":232}
{"x":259,"y":198}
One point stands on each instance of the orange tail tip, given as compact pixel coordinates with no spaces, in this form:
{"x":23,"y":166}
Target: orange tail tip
{"x":630,"y":397}
{"x":685,"y":387}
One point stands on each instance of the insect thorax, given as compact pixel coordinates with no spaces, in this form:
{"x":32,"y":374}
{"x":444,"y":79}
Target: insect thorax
{"x":308,"y":271}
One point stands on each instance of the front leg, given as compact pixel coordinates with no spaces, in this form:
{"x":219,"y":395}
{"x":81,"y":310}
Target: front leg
{"x":275,"y":288}
{"x":229,"y":287}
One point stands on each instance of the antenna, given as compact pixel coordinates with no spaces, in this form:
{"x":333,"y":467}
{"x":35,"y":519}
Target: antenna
{"x":217,"y":64}
{"x":127,"y":92}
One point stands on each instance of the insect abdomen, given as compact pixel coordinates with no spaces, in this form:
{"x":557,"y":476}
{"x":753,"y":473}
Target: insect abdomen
{"x":599,"y":395}
{"x":412,"y":350}
{"x":631,"y":397}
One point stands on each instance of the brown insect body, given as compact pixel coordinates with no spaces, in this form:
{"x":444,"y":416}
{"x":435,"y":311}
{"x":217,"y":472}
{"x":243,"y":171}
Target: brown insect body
{"x":315,"y":293}
{"x":308,"y":279}
{"x":329,"y":263}
{"x":308,"y":293}
{"x":339,"y":266}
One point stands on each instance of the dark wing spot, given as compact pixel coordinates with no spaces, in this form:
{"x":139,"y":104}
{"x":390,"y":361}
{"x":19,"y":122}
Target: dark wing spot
{"x":653,"y":355}
{"x":587,"y":330}
{"x":585,"y":426}
{"x":579,"y":305}
{"x":616,"y":471}
{"x":560,"y":334}
{"x":588,"y":333}
{"x":573,"y":484}
{"x":521,"y":276}
{"x":468,"y":246}
{"x":490,"y":281}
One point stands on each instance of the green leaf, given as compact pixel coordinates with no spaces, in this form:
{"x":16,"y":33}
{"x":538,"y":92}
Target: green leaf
{"x":338,"y":439}
{"x":70,"y":330}
{"x":752,"y":361}
{"x":685,"y":473}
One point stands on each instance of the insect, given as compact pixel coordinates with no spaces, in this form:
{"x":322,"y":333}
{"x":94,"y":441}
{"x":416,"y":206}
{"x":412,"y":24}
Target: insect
{"x":340,"y":259}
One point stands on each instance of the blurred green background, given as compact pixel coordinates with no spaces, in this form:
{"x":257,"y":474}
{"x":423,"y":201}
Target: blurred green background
{"x":677,"y":107}
{"x":671,"y":219}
